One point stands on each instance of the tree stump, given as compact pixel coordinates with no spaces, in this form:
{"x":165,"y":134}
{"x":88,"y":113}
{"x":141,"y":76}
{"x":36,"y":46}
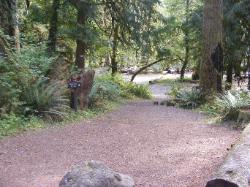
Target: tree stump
{"x":235,"y":171}
{"x":87,"y":80}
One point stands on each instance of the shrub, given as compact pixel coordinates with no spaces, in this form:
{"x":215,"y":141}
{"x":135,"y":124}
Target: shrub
{"x":190,"y":99}
{"x":175,"y":90}
{"x":104,"y":89}
{"x":229,"y":104}
{"x":12,"y":124}
{"x":35,"y":59}
{"x":107,"y":87}
{"x":18,"y":73}
{"x":138,"y":90}
{"x":45,"y":100}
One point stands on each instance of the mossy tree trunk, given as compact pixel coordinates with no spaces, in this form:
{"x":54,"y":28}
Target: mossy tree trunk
{"x":212,"y":63}
{"x":9,"y":20}
{"x":81,"y":44}
{"x":53,"y":27}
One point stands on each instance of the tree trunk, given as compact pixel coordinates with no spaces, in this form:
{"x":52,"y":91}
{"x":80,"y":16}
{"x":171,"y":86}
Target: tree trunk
{"x":235,"y":171}
{"x":9,"y":20}
{"x":53,"y":27}
{"x":229,"y":80}
{"x":187,"y":47}
{"x":114,"y":51}
{"x":81,"y":46}
{"x":212,"y":60}
{"x":87,"y":80}
{"x":248,"y":70}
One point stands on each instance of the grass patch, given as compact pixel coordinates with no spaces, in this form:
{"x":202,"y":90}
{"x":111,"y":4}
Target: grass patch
{"x":12,"y":124}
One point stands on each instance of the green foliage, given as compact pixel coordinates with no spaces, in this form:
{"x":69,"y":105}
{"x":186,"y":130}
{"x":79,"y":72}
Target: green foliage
{"x":45,"y":100}
{"x":189,"y":98}
{"x":104,"y":88}
{"x":111,"y":88}
{"x":35,"y":59}
{"x":175,"y":90}
{"x":138,"y":90}
{"x":129,"y":89}
{"x":12,"y":124}
{"x":185,"y":97}
{"x":19,"y":74}
{"x":228,"y":105}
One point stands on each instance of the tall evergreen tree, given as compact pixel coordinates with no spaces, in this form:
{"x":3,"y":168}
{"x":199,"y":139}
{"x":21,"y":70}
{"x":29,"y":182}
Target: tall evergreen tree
{"x":212,"y":61}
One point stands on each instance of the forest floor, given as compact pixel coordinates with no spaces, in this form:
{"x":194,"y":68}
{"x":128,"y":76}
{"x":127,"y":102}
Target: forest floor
{"x":158,"y":146}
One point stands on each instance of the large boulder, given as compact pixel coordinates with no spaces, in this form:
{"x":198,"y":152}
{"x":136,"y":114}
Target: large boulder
{"x":95,"y":174}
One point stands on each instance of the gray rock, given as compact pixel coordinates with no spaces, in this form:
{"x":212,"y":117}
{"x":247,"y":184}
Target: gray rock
{"x":95,"y":174}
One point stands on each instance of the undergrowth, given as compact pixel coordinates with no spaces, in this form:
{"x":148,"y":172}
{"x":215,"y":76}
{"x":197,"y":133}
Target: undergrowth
{"x":45,"y":104}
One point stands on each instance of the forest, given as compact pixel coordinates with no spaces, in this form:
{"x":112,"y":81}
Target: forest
{"x":43,"y":43}
{"x":70,"y":61}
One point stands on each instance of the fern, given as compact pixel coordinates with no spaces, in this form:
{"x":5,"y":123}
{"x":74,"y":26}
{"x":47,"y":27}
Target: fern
{"x":229,"y":104}
{"x":46,"y":100}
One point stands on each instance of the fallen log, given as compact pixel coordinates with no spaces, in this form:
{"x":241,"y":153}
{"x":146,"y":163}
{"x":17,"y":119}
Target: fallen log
{"x":235,"y":171}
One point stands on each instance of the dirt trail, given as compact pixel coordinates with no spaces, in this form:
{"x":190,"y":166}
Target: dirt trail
{"x":158,"y":146}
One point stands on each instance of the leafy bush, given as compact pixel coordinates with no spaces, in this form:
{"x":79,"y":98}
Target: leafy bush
{"x":229,"y":104}
{"x":10,"y":86}
{"x":189,"y":99}
{"x":138,"y":90}
{"x":35,"y":59}
{"x":107,"y":87}
{"x":175,"y":90}
{"x":19,"y":73}
{"x":11,"y":124}
{"x":46,"y":100}
{"x":104,"y":89}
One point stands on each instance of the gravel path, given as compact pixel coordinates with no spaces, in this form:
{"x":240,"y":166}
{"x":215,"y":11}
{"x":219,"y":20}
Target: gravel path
{"x":158,"y":146}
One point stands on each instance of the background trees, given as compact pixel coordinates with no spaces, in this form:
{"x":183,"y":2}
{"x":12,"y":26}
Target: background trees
{"x":71,"y":36}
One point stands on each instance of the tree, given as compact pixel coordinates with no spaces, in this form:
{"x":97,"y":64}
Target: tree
{"x":212,"y":59}
{"x":236,"y":37}
{"x":53,"y":26}
{"x":186,"y":40}
{"x":9,"y":20}
{"x":183,"y":28}
{"x":83,"y":9}
{"x":125,"y":24}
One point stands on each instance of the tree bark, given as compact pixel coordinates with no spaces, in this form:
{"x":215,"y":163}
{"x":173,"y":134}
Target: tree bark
{"x":212,"y":59}
{"x":145,"y":67}
{"x":53,"y":27}
{"x":229,"y":80}
{"x":9,"y":20}
{"x":114,"y":51}
{"x":235,"y":171}
{"x":187,"y":47}
{"x":81,"y":45}
{"x":248,"y":70}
